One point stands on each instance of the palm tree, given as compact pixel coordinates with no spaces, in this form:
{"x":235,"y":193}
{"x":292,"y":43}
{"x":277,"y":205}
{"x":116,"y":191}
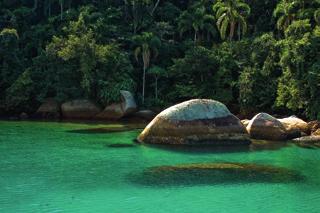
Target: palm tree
{"x":196,"y":19}
{"x":35,"y":5}
{"x":285,"y":12}
{"x":61,"y":8}
{"x":231,"y":14}
{"x":146,"y":43}
{"x":157,"y":72}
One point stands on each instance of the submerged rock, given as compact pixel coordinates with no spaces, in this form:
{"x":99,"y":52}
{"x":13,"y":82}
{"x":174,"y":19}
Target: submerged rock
{"x":49,"y":109}
{"x":215,"y":173}
{"x":198,"y":121}
{"x":264,"y":126}
{"x":79,"y":109}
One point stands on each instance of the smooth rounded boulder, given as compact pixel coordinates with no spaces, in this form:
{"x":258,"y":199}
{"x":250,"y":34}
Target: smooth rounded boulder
{"x":295,"y":124}
{"x":266,"y":127}
{"x":79,"y":109}
{"x":195,"y":122}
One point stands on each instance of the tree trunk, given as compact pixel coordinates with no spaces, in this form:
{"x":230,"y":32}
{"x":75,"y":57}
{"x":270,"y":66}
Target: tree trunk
{"x":35,"y":5}
{"x":155,"y":7}
{"x":126,"y":9}
{"x":49,"y":10}
{"x":134,"y":17}
{"x":239,"y":31}
{"x":61,"y":9}
{"x":156,"y":88}
{"x":69,"y":4}
{"x":143,"y":83}
{"x":232,"y":26}
{"x":195,"y":36}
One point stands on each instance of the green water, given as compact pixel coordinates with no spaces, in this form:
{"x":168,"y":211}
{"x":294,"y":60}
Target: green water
{"x":54,"y":167}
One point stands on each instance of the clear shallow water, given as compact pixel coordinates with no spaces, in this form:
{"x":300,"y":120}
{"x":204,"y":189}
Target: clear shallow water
{"x":53,"y":167}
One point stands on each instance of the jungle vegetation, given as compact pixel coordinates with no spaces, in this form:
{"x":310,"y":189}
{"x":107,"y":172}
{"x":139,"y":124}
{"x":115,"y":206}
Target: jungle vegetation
{"x":251,"y":55}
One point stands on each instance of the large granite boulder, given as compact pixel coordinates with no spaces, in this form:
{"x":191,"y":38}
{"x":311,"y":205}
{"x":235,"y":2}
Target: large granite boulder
{"x":294,"y":124}
{"x":49,"y":109}
{"x":195,"y":122}
{"x":79,"y":109}
{"x":117,"y":111}
{"x":266,"y":127}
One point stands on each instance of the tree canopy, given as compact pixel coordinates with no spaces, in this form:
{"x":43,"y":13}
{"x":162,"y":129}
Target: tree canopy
{"x":251,"y":55}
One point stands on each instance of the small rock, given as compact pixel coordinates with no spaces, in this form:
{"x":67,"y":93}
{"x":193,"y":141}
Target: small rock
{"x":245,"y":122}
{"x":313,"y":126}
{"x":23,"y":116}
{"x":266,"y":127}
{"x":316,"y":133}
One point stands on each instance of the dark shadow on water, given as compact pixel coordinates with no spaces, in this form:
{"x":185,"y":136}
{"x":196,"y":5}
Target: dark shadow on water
{"x":102,"y":130}
{"x":121,"y":145}
{"x":256,"y":145}
{"x":111,"y":128}
{"x":213,"y":174}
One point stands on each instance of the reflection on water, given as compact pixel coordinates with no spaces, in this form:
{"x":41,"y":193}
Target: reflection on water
{"x":256,"y":145}
{"x":121,"y":145}
{"x":110,"y":128}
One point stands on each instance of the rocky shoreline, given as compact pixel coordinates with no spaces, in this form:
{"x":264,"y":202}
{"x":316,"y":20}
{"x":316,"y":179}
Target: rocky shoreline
{"x":194,"y":122}
{"x":203,"y":121}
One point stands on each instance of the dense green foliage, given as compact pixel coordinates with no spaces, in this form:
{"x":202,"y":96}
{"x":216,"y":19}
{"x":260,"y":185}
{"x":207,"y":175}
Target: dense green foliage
{"x":251,"y":55}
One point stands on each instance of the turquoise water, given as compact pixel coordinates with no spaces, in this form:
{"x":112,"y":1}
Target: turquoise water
{"x":59,"y":167}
